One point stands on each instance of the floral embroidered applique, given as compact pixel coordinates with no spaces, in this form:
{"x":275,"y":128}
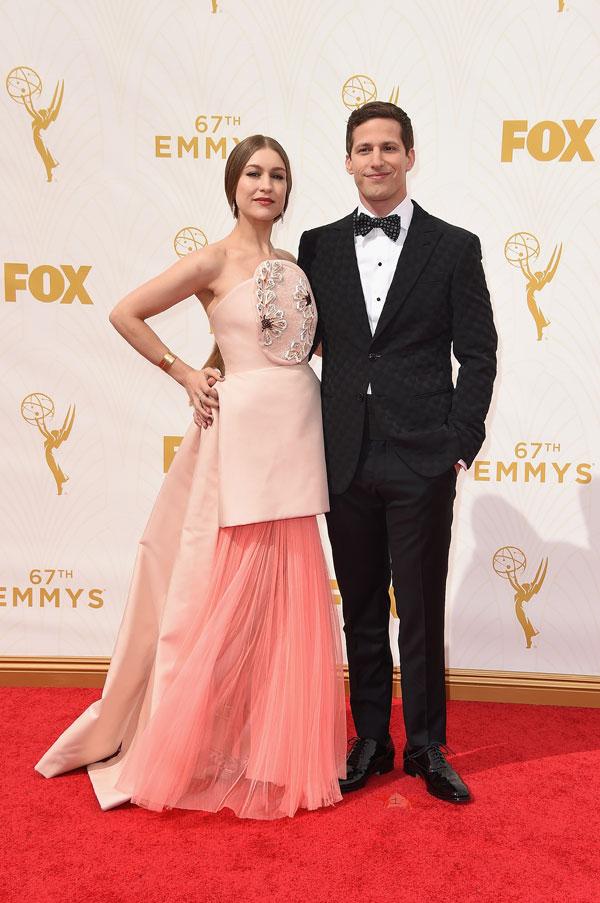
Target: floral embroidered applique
{"x":271,"y":320}
{"x":287,"y":317}
{"x":299,"y":350}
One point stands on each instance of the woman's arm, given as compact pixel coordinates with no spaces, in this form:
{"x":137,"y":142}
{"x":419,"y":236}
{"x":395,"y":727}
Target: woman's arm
{"x":188,"y":276}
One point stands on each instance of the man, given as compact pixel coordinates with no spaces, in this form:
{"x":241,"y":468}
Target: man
{"x":396,"y":290}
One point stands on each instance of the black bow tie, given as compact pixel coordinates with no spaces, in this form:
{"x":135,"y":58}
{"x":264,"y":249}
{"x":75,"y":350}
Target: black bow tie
{"x":390,"y":224}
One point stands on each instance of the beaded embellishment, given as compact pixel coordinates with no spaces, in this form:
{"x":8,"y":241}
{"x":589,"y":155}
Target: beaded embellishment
{"x":284,"y":306}
{"x":299,"y":350}
{"x":270,"y":319}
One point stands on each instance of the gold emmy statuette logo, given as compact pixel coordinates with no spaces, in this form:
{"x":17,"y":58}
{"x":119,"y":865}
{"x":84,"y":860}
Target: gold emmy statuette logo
{"x":521,"y":249}
{"x":36,"y":409}
{"x":214,"y":6}
{"x":23,"y":84}
{"x":361,"y":89}
{"x":189,"y":239}
{"x":508,"y":562}
{"x":561,"y":6}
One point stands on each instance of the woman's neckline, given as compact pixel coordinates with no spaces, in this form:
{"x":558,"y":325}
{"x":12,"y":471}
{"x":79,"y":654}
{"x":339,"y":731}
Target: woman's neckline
{"x":216,"y":302}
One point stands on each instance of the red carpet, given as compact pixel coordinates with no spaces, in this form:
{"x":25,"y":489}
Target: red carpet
{"x":532,"y":833}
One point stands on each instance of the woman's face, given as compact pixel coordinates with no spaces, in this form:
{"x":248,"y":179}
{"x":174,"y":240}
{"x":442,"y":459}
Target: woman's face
{"x":260,"y":192}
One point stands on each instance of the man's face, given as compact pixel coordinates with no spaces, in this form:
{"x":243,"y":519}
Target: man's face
{"x":379,"y":163}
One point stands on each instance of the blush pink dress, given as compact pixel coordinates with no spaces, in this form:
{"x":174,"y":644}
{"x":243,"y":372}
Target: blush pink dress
{"x":225,"y":689}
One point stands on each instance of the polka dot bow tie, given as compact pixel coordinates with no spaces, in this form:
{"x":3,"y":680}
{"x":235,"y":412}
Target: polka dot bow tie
{"x":390,"y":224}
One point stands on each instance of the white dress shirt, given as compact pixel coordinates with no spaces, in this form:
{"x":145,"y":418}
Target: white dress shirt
{"x":377,"y":257}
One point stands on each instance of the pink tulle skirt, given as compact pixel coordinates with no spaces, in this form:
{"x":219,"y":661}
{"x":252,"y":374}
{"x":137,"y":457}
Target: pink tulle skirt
{"x":253,"y":719}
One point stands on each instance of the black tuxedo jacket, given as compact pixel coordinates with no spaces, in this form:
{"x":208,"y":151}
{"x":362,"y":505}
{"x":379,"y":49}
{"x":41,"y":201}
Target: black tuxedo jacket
{"x":438,"y":301}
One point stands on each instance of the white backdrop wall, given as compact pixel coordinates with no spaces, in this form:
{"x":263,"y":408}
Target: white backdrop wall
{"x":138,"y":103}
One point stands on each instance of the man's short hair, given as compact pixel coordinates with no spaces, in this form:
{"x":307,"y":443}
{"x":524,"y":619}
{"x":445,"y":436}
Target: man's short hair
{"x":379,"y":109}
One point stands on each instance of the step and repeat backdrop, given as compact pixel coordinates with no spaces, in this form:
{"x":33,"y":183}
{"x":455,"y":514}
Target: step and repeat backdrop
{"x":116,"y":123}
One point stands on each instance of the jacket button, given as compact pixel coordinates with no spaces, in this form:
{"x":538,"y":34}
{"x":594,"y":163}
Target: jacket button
{"x":374,"y":356}
{"x":361,"y":397}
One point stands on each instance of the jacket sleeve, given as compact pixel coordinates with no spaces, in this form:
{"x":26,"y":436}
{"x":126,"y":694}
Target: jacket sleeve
{"x":474,"y":346}
{"x":305,"y":257}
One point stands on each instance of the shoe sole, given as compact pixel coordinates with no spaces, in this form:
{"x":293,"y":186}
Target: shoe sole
{"x":384,"y":768}
{"x":415,"y":773}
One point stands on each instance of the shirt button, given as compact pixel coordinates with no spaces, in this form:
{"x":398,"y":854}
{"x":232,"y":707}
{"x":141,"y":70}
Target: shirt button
{"x":379,"y":264}
{"x":379,"y":299}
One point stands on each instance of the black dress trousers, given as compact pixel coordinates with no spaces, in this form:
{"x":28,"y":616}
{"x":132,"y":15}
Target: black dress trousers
{"x":393,"y":522}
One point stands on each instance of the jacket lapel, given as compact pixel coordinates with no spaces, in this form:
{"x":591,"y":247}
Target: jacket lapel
{"x":421,"y":239}
{"x":349,"y":288}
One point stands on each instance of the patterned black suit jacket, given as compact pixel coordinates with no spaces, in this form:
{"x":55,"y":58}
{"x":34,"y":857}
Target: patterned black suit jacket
{"x":438,"y":301}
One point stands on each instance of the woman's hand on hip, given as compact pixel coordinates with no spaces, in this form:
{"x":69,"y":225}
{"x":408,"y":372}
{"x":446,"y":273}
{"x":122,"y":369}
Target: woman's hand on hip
{"x":204,"y":398}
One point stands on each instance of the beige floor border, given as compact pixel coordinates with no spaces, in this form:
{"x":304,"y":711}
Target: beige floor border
{"x":461,"y":683}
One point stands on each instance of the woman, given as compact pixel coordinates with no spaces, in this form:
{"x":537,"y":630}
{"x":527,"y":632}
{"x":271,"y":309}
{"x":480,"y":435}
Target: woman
{"x":225,"y":688}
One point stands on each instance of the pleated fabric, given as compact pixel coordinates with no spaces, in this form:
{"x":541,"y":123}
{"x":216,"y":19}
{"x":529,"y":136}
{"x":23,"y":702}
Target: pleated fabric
{"x":253,"y":718}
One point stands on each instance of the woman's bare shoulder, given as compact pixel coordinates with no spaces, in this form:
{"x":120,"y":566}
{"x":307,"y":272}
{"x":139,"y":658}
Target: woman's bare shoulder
{"x":210,"y":260}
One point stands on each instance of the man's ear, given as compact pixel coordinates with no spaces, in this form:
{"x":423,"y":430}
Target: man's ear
{"x":349,"y":167}
{"x":411,"y":159}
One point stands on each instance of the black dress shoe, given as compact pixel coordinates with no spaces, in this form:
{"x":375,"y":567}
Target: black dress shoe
{"x":441,"y":779}
{"x":366,"y":757}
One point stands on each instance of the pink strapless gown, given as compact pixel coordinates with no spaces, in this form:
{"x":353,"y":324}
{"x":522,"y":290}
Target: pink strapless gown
{"x":226,"y":686}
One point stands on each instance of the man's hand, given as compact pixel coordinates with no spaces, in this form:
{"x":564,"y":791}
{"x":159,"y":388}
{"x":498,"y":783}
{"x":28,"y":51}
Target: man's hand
{"x":204,"y":398}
